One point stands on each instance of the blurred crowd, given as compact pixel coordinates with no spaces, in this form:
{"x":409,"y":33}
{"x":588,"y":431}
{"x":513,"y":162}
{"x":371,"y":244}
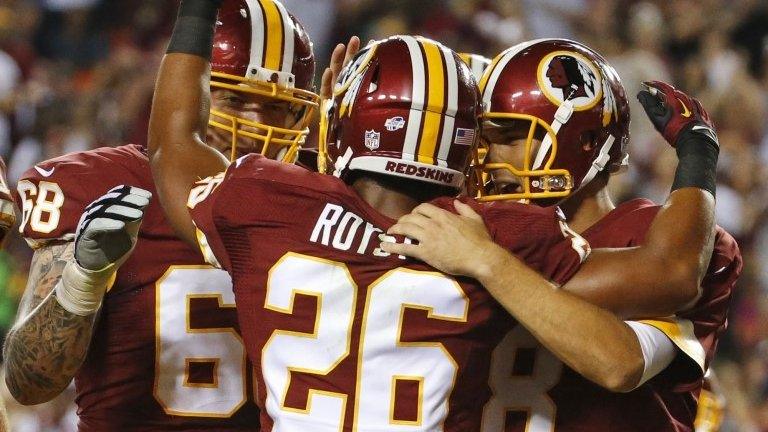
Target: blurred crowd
{"x":77,"y":74}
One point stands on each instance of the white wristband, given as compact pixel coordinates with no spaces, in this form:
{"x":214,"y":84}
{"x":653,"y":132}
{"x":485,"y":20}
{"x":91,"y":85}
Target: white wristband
{"x":658,"y":349}
{"x":80,"y":291}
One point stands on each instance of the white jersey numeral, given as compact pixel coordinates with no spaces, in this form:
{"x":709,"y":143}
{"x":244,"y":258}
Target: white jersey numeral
{"x":179,"y":346}
{"x":383,"y":360}
{"x":43,"y":213}
{"x":523,"y":393}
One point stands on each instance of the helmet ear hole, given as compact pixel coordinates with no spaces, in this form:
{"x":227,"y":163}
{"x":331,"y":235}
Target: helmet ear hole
{"x":588,"y":140}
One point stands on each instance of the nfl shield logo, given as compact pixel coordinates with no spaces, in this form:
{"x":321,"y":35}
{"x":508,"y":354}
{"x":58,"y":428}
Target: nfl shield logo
{"x":372,"y":139}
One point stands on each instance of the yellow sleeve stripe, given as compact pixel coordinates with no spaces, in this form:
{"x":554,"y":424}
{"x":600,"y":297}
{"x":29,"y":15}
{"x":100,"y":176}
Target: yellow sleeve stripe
{"x":680,"y":332}
{"x":205,"y":249}
{"x":710,"y":412}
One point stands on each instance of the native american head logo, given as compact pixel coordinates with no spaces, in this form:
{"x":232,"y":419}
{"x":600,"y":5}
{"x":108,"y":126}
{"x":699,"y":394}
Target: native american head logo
{"x":565,"y":75}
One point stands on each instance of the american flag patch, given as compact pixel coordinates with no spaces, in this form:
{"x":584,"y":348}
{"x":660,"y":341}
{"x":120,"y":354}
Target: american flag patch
{"x":464,"y":136}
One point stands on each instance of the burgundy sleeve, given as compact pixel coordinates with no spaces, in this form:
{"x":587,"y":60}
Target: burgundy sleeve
{"x":204,"y":206}
{"x":53,"y":194}
{"x":696,"y":331}
{"x":540,"y":237}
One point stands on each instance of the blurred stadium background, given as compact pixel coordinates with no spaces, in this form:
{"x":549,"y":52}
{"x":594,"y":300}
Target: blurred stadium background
{"x":77,"y":74}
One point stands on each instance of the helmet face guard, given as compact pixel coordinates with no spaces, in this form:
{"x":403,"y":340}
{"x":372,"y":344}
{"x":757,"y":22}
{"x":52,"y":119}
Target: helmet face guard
{"x":538,"y":179}
{"x":260,"y":49}
{"x":265,"y":137}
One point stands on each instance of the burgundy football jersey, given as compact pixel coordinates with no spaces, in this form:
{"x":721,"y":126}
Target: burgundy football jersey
{"x":558,"y":399}
{"x":166,"y":353}
{"x":345,"y":336}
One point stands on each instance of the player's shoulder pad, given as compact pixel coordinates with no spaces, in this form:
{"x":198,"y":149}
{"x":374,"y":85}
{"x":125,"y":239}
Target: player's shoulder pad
{"x":101,"y":164}
{"x":638,"y":208}
{"x":52,"y":194}
{"x":514,"y":225}
{"x":259,"y":169}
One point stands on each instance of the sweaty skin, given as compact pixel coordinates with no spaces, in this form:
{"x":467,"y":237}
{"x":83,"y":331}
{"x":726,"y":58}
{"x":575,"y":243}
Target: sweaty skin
{"x":597,"y":345}
{"x":680,"y":242}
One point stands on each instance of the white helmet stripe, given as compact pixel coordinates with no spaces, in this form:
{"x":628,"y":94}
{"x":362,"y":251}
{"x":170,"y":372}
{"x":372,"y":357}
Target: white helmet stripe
{"x":256,"y":13}
{"x":452,"y":106}
{"x":288,"y":38}
{"x":417,"y":98}
{"x":478,"y":67}
{"x":453,"y":81}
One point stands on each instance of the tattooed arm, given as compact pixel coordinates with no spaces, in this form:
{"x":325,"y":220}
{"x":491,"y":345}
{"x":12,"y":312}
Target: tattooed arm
{"x":47,"y":344}
{"x":4,"y":427}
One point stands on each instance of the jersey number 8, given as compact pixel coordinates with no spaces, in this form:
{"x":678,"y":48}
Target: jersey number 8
{"x":43,"y":213}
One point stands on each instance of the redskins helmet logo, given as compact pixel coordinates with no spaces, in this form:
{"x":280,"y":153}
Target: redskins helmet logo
{"x":566,"y":75}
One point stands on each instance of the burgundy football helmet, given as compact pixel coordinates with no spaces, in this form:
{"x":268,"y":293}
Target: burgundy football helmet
{"x":260,"y":48}
{"x":565,"y":95}
{"x":405,"y":106}
{"x":477,"y":64}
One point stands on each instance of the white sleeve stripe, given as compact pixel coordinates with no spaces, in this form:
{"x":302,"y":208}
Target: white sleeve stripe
{"x":658,"y":349}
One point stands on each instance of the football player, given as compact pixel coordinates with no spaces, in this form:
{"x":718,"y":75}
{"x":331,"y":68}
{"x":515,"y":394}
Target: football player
{"x":557,"y":122}
{"x":7,"y":209}
{"x":7,"y":219}
{"x":345,"y":335}
{"x":155,"y":345}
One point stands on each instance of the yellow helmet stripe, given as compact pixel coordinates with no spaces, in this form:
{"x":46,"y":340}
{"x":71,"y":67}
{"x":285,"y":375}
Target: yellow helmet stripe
{"x":258,"y":37}
{"x":435,"y":102}
{"x":273,"y":49}
{"x":288,"y":39}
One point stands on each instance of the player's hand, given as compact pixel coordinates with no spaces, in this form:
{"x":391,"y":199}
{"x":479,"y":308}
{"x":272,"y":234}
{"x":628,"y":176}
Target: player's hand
{"x":457,"y":244}
{"x":674,"y":113}
{"x":105,"y":237}
{"x":340,"y":57}
{"x":109,"y":227}
{"x":7,"y":212}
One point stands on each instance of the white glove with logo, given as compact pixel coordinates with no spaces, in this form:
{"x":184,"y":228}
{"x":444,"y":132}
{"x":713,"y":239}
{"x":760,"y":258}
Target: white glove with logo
{"x":106,"y":235}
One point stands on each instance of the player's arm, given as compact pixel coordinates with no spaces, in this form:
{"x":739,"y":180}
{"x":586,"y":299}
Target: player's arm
{"x":591,"y":340}
{"x":7,"y":208}
{"x":46,"y":345}
{"x":4,"y":426}
{"x":664,"y":275}
{"x":178,"y":122}
{"x":67,"y":281}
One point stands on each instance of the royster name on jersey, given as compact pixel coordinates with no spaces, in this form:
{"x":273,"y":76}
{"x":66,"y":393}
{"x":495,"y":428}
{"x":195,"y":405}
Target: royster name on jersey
{"x":344,"y":230}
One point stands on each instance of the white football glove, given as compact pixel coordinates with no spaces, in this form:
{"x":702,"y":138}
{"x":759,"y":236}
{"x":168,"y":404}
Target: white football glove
{"x":106,"y":235}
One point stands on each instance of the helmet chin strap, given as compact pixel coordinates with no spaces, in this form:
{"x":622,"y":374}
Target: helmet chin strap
{"x":562,"y":115}
{"x":342,"y":162}
{"x":600,"y":161}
